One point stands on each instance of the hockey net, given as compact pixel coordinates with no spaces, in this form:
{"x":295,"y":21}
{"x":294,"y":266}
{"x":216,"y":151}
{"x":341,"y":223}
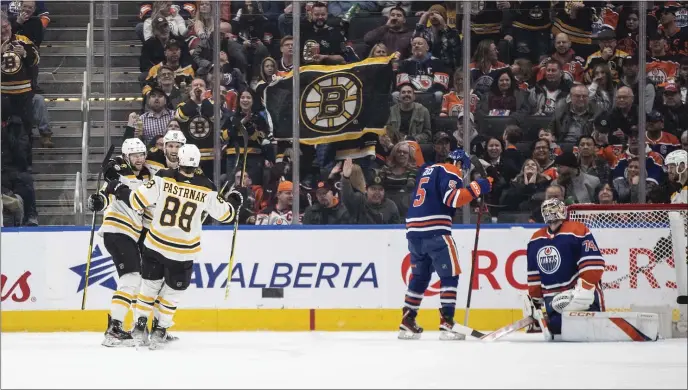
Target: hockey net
{"x":644,"y":246}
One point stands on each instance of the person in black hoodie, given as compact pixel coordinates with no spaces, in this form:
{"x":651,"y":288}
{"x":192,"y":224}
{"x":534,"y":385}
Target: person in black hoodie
{"x":250,"y":26}
{"x":153,"y":50}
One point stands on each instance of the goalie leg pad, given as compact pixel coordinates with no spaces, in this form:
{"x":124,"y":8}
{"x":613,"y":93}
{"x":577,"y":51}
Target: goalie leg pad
{"x":588,"y":326}
{"x":125,"y":296}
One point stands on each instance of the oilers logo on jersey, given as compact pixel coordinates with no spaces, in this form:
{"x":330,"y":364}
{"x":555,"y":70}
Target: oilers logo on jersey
{"x":548,"y":259}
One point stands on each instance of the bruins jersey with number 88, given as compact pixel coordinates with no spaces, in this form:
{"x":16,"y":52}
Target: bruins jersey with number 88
{"x":175,"y":230}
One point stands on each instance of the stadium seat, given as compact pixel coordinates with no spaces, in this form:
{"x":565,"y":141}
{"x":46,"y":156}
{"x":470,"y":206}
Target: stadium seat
{"x":446,"y":124}
{"x":493,"y":126}
{"x":532,"y":125}
{"x":428,"y":100}
{"x":360,"y":25}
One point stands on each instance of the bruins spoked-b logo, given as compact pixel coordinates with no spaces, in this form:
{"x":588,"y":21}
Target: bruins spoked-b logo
{"x":199,"y":127}
{"x":331,"y":102}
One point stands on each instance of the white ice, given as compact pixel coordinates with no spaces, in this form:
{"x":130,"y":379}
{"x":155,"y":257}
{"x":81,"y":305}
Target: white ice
{"x":337,"y":360}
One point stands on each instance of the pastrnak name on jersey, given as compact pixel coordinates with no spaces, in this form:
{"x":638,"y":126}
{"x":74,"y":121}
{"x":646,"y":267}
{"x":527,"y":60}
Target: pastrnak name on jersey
{"x":184,"y":192}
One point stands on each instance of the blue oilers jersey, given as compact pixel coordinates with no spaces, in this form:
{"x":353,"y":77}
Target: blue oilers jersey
{"x":556,"y":261}
{"x":439,"y":191}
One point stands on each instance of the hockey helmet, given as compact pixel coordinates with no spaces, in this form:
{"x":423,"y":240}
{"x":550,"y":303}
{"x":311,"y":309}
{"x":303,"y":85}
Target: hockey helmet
{"x":189,"y":156}
{"x":174,"y":136}
{"x":459,"y":154}
{"x":133,"y":145}
{"x":677,"y":157}
{"x":553,"y":210}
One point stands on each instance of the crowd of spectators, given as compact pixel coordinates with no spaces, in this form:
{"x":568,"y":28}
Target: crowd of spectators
{"x":23,"y":106}
{"x":553,"y":102}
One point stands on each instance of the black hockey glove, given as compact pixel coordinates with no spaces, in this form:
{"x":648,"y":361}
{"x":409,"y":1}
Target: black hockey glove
{"x":118,"y":189}
{"x":112,"y":168}
{"x":96,"y":202}
{"x":236,"y":197}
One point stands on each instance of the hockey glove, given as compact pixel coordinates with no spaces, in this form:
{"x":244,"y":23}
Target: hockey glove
{"x":479,"y":187}
{"x":583,"y":296}
{"x":96,"y":202}
{"x":112,"y":168}
{"x":116,"y":188}
{"x":236,"y":197}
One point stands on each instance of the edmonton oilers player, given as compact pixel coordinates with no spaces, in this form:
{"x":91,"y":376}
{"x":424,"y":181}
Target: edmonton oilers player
{"x":565,"y":267}
{"x":439,"y":192}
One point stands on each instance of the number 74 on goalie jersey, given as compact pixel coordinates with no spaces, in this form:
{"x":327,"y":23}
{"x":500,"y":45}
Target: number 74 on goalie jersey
{"x":179,"y":201}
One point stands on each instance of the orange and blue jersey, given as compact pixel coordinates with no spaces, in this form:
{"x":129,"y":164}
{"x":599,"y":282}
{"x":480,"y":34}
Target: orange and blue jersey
{"x":439,"y":192}
{"x":665,"y":144}
{"x":653,"y":166}
{"x":557,"y":260}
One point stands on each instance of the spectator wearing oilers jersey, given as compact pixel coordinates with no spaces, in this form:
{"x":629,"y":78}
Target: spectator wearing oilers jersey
{"x":279,"y":213}
{"x":371,"y":207}
{"x":653,"y":162}
{"x":485,"y":66}
{"x":423,"y":71}
{"x":659,"y":140}
{"x":675,"y":111}
{"x":453,"y":102}
{"x":571,"y":63}
{"x":439,"y":192}
{"x":549,"y":91}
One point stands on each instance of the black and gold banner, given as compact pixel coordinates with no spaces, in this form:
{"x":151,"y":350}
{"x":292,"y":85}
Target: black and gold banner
{"x":337,"y":103}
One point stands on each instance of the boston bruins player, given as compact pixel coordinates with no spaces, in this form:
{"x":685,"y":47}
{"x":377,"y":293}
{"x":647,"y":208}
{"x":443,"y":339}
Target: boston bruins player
{"x":677,"y":166}
{"x":167,"y":157}
{"x":174,"y":240}
{"x":121,"y":231}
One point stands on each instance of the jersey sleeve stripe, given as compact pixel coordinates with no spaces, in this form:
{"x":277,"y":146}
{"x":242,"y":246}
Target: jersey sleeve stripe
{"x":228,"y":216}
{"x":137,"y":204}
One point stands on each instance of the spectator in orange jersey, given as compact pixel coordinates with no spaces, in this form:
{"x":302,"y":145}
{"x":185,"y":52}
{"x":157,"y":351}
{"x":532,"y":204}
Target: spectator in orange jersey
{"x":659,"y":140}
{"x":453,"y":102}
{"x":607,"y":145}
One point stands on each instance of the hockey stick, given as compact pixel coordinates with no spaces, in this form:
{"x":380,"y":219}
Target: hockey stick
{"x":478,"y":166}
{"x":474,"y":258}
{"x":236,"y":217}
{"x":93,"y":228}
{"x":682,"y":300}
{"x":497,"y":334}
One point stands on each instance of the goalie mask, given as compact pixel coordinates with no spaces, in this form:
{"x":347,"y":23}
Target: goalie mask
{"x":553,"y":210}
{"x":189,"y":156}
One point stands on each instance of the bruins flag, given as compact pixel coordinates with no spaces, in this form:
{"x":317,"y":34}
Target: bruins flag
{"x":337,"y":103}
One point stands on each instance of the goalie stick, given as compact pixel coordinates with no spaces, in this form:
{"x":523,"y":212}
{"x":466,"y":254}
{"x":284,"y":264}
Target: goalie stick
{"x":93,"y":226}
{"x":497,"y":334}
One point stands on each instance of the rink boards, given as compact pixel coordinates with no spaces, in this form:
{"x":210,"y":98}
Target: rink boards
{"x":295,"y":279}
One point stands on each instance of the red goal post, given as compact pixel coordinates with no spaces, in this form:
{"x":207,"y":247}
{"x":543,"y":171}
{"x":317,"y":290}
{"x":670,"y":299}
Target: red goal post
{"x":644,"y":246}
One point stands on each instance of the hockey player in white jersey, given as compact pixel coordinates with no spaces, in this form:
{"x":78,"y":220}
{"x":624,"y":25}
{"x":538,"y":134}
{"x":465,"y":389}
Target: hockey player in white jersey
{"x":121,"y":231}
{"x":676,"y":163}
{"x":168,"y":157}
{"x":174,"y":239}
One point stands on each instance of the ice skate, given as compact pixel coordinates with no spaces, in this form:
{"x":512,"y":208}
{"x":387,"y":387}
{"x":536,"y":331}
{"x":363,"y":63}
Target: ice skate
{"x":409,"y":329}
{"x":446,"y":332}
{"x":158,"y":338}
{"x":115,"y":336}
{"x":168,"y":336}
{"x":140,"y":332}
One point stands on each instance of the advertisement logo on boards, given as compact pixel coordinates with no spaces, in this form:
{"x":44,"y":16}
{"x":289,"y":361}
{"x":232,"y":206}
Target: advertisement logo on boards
{"x":19,"y":291}
{"x":406,"y":275}
{"x":102,"y":271}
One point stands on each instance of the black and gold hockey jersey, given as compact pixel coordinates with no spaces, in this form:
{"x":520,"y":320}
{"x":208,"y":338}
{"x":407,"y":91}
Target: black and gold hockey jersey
{"x":16,"y":70}
{"x":179,"y":202}
{"x":197,"y":125}
{"x":532,"y":15}
{"x":183,"y":73}
{"x":117,"y":217}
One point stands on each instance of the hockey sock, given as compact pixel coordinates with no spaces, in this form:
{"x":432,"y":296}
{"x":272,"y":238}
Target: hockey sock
{"x":414,"y":294}
{"x":145,"y":300}
{"x":124,"y":297}
{"x":167,"y":306}
{"x":448,"y":289}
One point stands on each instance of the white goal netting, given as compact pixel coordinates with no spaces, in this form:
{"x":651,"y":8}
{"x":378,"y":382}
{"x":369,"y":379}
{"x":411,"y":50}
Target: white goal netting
{"x":646,"y":248}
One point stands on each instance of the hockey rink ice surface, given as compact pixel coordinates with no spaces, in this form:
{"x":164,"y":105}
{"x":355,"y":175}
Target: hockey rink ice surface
{"x":337,"y":360}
